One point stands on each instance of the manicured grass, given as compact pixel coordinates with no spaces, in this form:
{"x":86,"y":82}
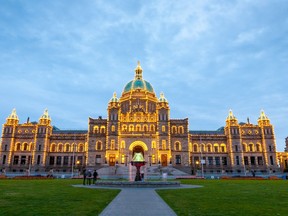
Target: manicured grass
{"x":229,"y":197}
{"x":51,"y":197}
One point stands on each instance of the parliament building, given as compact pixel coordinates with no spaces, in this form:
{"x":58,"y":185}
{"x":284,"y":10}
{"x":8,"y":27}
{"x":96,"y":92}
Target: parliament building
{"x":139,"y":121}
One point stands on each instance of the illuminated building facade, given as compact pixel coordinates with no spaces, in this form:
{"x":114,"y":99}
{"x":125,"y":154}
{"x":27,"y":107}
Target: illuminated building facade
{"x":138,"y":121}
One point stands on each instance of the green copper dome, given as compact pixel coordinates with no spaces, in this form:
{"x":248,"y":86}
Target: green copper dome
{"x":138,"y":82}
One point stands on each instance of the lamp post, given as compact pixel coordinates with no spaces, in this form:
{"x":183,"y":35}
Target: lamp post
{"x":77,"y":165}
{"x":197,"y":165}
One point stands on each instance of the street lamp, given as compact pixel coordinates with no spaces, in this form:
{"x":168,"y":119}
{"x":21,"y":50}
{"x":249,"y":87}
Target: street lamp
{"x":197,"y":164}
{"x":77,"y":165}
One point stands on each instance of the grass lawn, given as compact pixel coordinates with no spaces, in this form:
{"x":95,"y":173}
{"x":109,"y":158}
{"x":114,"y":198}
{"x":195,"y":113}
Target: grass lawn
{"x":229,"y":197}
{"x":51,"y":197}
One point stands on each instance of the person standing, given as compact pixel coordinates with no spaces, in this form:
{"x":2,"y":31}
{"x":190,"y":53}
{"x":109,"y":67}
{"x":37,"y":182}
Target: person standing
{"x":89,"y":177}
{"x":95,"y":174}
{"x":84,"y":176}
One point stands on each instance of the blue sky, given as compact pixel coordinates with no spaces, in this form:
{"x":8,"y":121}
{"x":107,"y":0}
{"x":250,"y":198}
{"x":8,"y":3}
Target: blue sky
{"x":206,"y":56}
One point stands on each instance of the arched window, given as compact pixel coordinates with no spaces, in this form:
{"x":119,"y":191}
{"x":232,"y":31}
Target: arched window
{"x":96,"y":129}
{"x":195,"y":148}
{"x":98,"y":145}
{"x":60,"y":147}
{"x":80,"y":147}
{"x":174,"y":130}
{"x":153,"y":145}
{"x":202,"y":148}
{"x":163,"y":128}
{"x":251,"y":147}
{"x":258,"y":147}
{"x":25,"y":146}
{"x":122,"y":144}
{"x":53,"y":147}
{"x":223,"y":147}
{"x":18,"y":147}
{"x":152,"y":128}
{"x":113,"y":128}
{"x":153,"y":159}
{"x":244,"y":146}
{"x":181,"y":129}
{"x":209,"y":148}
{"x":131,"y":128}
{"x":164,"y":145}
{"x":145,"y":128}
{"x":73,"y":147}
{"x":102,"y":129}
{"x":112,"y":144}
{"x":67,"y":147}
{"x":216,"y":148}
{"x":138,"y":128}
{"x":177,"y":146}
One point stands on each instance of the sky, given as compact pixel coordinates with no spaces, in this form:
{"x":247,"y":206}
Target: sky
{"x":206,"y":56}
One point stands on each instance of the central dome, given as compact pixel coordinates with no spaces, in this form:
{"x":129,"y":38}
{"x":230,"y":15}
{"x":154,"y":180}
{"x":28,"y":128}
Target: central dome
{"x":138,"y":82}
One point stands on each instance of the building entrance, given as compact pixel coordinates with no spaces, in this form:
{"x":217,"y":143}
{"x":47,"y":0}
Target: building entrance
{"x":164,"y":159}
{"x":112,"y":160}
{"x":138,"y":149}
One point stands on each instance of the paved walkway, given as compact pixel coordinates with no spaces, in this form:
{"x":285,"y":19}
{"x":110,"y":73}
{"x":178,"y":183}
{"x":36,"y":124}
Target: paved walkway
{"x":138,"y":202}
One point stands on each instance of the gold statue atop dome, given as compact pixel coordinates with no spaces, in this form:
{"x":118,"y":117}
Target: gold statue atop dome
{"x":138,"y":71}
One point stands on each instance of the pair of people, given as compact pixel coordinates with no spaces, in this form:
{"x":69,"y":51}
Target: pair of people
{"x":87,"y":174}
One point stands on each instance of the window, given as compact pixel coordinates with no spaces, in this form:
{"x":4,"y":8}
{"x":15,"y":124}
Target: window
{"x":252,"y":159}
{"x":217,"y":161}
{"x":260,"y":160}
{"x":51,"y":160}
{"x":38,"y":159}
{"x":181,"y":129}
{"x":270,"y":148}
{"x":138,"y":128}
{"x":223,"y":149}
{"x":202,"y":148}
{"x":258,"y":148}
{"x":131,"y":128}
{"x":251,"y":147}
{"x":145,"y":128}
{"x":244,"y":147}
{"x":80,"y":160}
{"x":122,"y":158}
{"x":216,"y":148}
{"x":60,"y":147}
{"x":4,"y":159}
{"x":153,"y":145}
{"x":18,"y":147}
{"x":102,"y":129}
{"x":66,"y":160}
{"x":25,"y":146}
{"x":177,"y":146}
{"x":112,"y":144}
{"x":5,"y":148}
{"x":174,"y":130}
{"x":67,"y":147}
{"x":236,"y":148}
{"x":124,"y":128}
{"x":53,"y":148}
{"x":153,"y":159}
{"x":81,"y":148}
{"x":163,"y":128}
{"x":58,"y":160}
{"x":122,"y":144}
{"x":224,"y":161}
{"x":195,"y":148}
{"x":113,"y":128}
{"x":209,"y":148}
{"x":96,"y":129}
{"x":98,"y":145}
{"x":246,"y":160}
{"x":210,"y":160}
{"x":271,"y":160}
{"x":23,"y":160}
{"x":178,"y":159}
{"x":98,"y":159}
{"x":39,"y":148}
{"x":237,"y":160}
{"x":152,"y":128}
{"x":16,"y":160}
{"x":163,"y":144}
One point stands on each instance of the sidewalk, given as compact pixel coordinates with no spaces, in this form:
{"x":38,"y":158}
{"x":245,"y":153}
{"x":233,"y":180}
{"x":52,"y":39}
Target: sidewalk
{"x":137,"y":201}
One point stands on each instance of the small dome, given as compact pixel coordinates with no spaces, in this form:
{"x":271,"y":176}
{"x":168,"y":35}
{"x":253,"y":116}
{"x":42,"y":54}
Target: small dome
{"x":114,"y":99}
{"x":162,"y":98}
{"x":45,"y":115}
{"x":13,"y":115}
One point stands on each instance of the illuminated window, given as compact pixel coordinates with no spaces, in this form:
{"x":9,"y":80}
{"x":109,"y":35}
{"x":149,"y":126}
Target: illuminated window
{"x":163,"y":144}
{"x":223,"y":148}
{"x":177,"y":146}
{"x":113,"y":128}
{"x":244,"y":146}
{"x":153,"y":159}
{"x":112,"y":144}
{"x":145,"y":128}
{"x":209,"y":148}
{"x":251,"y":147}
{"x":131,"y":128}
{"x":124,"y":127}
{"x":60,"y":147}
{"x":18,"y":147}
{"x":122,"y":144}
{"x":195,"y":148}
{"x":122,"y":158}
{"x":25,"y":146}
{"x":81,"y":148}
{"x":98,"y":145}
{"x":181,"y":129}
{"x":67,"y":147}
{"x":96,"y":129}
{"x":53,"y":147}
{"x":153,"y":145}
{"x":174,"y":130}
{"x":152,"y":128}
{"x":138,"y":128}
{"x":102,"y":129}
{"x":258,"y":147}
{"x":216,"y":148}
{"x":163,"y":128}
{"x":202,"y":148}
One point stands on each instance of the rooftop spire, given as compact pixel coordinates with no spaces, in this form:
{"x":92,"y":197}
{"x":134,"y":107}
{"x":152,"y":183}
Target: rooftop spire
{"x":138,"y":71}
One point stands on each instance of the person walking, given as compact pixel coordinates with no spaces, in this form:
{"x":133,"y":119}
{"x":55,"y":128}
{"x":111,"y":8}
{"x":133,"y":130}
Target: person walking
{"x":95,"y":174}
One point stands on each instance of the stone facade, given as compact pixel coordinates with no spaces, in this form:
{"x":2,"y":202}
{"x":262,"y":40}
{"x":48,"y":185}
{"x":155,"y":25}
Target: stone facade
{"x":138,"y":121}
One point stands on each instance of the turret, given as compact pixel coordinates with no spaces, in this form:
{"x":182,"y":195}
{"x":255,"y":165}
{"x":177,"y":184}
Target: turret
{"x":263,"y":120}
{"x":12,"y":118}
{"x":45,"y":118}
{"x":231,"y":120}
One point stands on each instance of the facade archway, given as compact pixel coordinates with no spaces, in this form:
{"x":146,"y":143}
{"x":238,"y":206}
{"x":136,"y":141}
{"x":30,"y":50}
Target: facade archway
{"x":138,"y":146}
